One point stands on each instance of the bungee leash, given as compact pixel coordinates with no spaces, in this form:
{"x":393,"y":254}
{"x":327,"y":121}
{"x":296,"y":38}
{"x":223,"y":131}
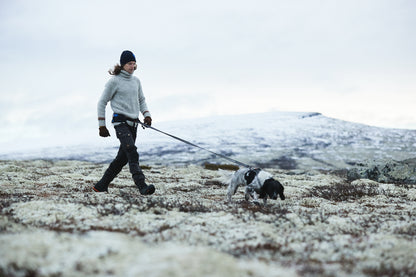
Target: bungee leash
{"x":194,"y":145}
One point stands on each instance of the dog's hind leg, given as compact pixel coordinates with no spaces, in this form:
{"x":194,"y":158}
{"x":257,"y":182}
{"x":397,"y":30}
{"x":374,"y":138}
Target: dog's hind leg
{"x":232,"y":189}
{"x":229,"y":195}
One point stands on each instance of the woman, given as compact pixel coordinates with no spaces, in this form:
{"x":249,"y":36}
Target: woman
{"x":125,"y":94}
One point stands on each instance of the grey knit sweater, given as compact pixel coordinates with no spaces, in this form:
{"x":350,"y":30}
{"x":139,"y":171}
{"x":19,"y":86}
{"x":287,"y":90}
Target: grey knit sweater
{"x":124,"y":92}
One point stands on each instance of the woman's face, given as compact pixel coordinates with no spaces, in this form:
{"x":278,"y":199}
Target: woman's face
{"x":130,"y":67}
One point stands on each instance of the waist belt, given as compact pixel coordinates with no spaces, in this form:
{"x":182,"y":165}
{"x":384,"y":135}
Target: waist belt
{"x":120,"y":118}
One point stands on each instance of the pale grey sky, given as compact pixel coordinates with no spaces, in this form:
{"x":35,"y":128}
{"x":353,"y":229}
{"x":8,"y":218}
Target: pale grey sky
{"x":349,"y":59}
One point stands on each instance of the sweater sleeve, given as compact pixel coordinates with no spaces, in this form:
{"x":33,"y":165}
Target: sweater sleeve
{"x":142,"y":102}
{"x":107,"y":95}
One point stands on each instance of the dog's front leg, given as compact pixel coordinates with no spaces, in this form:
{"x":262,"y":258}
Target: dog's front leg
{"x":249,"y":193}
{"x":265,"y":200}
{"x":256,"y":198}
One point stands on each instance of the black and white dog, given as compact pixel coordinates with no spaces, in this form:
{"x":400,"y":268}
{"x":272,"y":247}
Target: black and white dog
{"x":259,"y":184}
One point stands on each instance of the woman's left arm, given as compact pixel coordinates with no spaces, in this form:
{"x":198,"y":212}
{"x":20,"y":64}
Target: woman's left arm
{"x":142,"y":102}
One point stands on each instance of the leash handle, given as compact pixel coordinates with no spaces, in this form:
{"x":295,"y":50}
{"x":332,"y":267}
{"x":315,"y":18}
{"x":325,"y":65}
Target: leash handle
{"x":194,"y":145}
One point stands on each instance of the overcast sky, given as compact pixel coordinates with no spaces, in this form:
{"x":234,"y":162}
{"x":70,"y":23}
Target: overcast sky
{"x":353,"y":60}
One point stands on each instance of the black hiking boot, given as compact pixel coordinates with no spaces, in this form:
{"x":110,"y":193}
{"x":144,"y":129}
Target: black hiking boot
{"x":147,"y":190}
{"x":102,"y":185}
{"x":143,"y":188}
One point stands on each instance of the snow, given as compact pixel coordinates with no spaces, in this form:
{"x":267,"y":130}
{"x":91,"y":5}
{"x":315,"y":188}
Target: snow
{"x":287,"y":140}
{"x":53,"y":224}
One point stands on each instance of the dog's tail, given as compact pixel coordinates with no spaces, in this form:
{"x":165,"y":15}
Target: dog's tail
{"x":225,"y":176}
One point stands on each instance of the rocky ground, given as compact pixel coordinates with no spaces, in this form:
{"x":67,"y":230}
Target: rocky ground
{"x":53,"y":224}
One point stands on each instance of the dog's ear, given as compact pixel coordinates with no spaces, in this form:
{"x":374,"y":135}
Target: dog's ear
{"x":249,"y":176}
{"x":269,"y":187}
{"x":280,"y":191}
{"x":274,"y":188}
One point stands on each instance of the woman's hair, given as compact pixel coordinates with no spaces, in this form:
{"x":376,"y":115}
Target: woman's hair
{"x":117,"y":69}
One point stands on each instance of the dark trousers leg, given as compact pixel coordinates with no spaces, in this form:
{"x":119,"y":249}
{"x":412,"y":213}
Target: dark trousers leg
{"x":127,"y":153}
{"x":112,"y":171}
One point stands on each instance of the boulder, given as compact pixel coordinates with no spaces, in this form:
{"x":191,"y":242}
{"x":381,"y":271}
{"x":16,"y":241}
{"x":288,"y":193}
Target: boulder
{"x":389,"y":171}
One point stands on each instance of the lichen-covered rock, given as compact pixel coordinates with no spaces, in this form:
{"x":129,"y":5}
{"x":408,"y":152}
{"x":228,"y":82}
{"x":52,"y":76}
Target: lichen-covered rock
{"x":385,"y":171}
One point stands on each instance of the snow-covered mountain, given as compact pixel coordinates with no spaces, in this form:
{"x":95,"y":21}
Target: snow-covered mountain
{"x":287,"y":140}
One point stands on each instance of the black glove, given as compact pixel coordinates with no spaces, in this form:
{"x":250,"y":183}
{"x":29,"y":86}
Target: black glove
{"x":148,"y":121}
{"x":104,"y":132}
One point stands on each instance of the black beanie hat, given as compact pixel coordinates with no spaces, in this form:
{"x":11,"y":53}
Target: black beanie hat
{"x":127,"y":56}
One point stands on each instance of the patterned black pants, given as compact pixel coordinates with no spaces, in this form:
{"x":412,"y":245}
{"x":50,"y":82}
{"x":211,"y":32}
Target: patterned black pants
{"x":127,"y":153}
